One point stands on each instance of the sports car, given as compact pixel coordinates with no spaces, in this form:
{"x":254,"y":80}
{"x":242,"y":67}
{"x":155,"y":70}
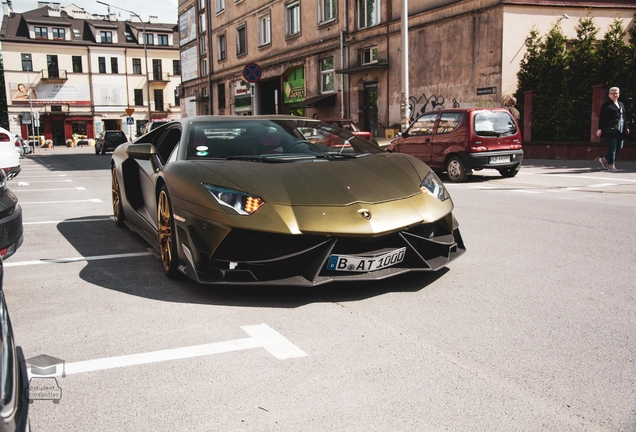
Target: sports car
{"x":263,"y":200}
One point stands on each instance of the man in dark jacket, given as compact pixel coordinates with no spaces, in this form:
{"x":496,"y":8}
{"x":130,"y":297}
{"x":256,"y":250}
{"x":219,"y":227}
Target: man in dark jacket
{"x":612,"y":127}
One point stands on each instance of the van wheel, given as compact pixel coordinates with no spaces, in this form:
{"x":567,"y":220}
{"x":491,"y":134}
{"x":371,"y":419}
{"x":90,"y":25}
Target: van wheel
{"x":508,"y":172}
{"x":456,"y":170}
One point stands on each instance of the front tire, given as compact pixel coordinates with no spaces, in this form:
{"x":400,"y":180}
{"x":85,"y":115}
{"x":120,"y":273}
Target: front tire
{"x":166,"y":234}
{"x":118,"y":210}
{"x":456,"y":170}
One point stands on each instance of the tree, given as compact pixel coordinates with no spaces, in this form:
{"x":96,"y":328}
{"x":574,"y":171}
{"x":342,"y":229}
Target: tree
{"x":528,"y":74}
{"x":580,"y":75}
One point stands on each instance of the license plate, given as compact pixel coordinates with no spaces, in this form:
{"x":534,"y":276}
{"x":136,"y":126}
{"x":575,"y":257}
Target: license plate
{"x":499,"y":159}
{"x":362,"y":263}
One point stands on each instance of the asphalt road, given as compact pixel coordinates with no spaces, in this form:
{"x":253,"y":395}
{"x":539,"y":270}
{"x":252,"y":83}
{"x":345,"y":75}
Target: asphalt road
{"x":532,"y":329}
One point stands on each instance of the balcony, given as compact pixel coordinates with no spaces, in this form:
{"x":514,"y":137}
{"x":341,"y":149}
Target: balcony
{"x":54,"y":76}
{"x":159,"y":77}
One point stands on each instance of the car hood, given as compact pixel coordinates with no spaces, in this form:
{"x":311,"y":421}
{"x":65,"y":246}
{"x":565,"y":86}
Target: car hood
{"x":369,"y":179}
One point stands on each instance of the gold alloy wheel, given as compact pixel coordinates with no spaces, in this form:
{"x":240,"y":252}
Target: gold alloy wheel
{"x":164,"y":218}
{"x":117,"y":213}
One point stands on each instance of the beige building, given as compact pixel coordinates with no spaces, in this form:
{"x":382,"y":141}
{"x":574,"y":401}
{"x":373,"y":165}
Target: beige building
{"x":343,"y":58}
{"x":77,"y":74}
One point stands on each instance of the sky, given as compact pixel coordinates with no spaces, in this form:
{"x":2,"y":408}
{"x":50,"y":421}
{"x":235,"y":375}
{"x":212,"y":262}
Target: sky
{"x":165,"y":10}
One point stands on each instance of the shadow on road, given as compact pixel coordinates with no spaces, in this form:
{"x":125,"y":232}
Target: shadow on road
{"x":143,"y":275}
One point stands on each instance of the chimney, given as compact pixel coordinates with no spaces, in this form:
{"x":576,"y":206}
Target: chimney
{"x":153,"y":19}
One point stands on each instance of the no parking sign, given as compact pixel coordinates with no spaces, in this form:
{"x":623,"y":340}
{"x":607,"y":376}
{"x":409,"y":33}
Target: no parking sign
{"x":252,"y":72}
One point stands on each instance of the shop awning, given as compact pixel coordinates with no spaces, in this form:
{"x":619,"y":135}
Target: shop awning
{"x":316,"y":101}
{"x":363,"y":68}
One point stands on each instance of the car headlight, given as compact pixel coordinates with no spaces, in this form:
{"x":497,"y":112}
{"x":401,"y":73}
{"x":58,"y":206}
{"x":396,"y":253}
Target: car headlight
{"x":242,"y":202}
{"x":433,"y":186}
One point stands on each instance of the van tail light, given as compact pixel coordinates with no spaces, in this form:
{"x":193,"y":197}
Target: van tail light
{"x":476,"y":149}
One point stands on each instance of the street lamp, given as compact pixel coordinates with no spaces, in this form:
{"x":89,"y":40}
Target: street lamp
{"x":143,"y":26}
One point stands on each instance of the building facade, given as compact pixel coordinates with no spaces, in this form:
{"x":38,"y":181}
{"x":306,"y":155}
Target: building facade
{"x":343,"y":58}
{"x":70,"y":74}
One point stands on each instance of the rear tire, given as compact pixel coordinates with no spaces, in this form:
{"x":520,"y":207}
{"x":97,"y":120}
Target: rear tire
{"x":96,"y":149}
{"x":166,"y":235}
{"x":456,"y":170}
{"x":508,"y":172}
{"x":103,"y":149}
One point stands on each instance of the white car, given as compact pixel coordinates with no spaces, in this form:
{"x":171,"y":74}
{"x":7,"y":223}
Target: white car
{"x":9,"y":156}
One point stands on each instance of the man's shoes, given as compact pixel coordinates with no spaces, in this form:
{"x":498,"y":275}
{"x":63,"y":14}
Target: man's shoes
{"x":612,"y":170}
{"x":603,"y":164}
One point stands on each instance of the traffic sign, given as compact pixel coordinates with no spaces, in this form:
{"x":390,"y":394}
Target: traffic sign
{"x":130,"y":120}
{"x":252,"y":72}
{"x":130,"y":111}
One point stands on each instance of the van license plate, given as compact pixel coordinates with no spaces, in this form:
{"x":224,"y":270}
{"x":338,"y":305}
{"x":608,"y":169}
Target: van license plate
{"x":360,"y":263}
{"x":499,"y":159}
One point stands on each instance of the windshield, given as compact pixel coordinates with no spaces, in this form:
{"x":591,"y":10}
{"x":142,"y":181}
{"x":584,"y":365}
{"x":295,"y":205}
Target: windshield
{"x":494,"y":123}
{"x":273,"y":140}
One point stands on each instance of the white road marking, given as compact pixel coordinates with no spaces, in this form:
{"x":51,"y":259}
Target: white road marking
{"x":79,"y":188}
{"x":69,"y":221}
{"x":262,"y":336}
{"x":598,"y":185}
{"x":93,"y":200}
{"x":75,"y":259}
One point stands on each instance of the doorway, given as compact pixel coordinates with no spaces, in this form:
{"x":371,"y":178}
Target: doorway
{"x":370,"y":107}
{"x":57,"y":132}
{"x":268,"y":91}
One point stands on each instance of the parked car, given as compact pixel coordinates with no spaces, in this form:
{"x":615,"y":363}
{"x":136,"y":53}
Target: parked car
{"x":14,"y":402}
{"x":10,"y":220}
{"x":464,"y":139}
{"x":152,"y":126}
{"x":109,"y":140}
{"x":263,"y":200}
{"x":9,"y":157}
{"x":349,"y":126}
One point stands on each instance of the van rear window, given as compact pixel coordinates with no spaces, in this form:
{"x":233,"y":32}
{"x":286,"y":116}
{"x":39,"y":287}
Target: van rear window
{"x":494,"y":123}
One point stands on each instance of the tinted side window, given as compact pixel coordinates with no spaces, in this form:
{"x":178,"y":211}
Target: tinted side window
{"x":494,"y":123}
{"x":448,"y":122}
{"x":423,"y":125}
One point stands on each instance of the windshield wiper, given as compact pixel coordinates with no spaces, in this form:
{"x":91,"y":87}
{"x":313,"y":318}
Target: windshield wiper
{"x":341,"y":155}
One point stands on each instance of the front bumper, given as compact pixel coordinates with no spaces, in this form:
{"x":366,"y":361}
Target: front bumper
{"x":250,"y":257}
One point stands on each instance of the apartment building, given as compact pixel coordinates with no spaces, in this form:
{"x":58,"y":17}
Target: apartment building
{"x":343,"y":58}
{"x":75,"y":74}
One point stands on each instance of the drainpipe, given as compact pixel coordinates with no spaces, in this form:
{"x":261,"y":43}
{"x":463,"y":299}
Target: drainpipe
{"x":406,"y":109}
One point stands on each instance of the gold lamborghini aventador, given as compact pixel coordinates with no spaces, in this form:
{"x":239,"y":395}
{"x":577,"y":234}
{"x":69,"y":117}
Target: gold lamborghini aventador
{"x":280,"y":200}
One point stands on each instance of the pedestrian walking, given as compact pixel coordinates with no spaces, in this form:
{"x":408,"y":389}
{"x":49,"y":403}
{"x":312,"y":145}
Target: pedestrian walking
{"x":612,"y":127}
{"x":509,"y":103}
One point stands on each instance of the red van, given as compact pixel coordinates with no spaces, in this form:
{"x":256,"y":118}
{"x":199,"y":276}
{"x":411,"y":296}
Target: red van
{"x":460,"y":140}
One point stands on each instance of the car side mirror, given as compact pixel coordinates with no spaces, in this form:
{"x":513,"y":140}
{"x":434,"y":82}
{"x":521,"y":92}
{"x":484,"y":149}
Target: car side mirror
{"x":141,"y":151}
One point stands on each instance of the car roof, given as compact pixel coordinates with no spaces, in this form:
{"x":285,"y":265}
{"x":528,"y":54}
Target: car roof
{"x":465,"y":110}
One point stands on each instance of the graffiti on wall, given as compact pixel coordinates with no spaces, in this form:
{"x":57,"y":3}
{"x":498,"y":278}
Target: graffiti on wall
{"x":427,"y":103}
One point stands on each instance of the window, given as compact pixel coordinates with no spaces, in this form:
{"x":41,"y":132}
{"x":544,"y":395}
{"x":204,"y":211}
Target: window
{"x":52,"y":66}
{"x":222,"y":47}
{"x":241,"y":40}
{"x":368,"y":13}
{"x":106,"y":36}
{"x":58,"y":33}
{"x":176,"y":67}
{"x":220,"y":92}
{"x":202,"y":23}
{"x":27,"y":62}
{"x":369,"y":55}
{"x":201,"y":4}
{"x":448,"y":122}
{"x":41,"y":32}
{"x":129,"y":37}
{"x":423,"y":125}
{"x":205,"y":92}
{"x":114,"y":66}
{"x":158,"y":100}
{"x":157,"y":71}
{"x":326,"y":10}
{"x":292,"y":19}
{"x":220,"y":5}
{"x":162,"y":40}
{"x":203,"y":44}
{"x":177,"y":98}
{"x":77,"y":33}
{"x":327,"y":75}
{"x":77,"y":64}
{"x":150,"y":39}
{"x":101,"y":62}
{"x":136,"y":66}
{"x":203,"y":69}
{"x":264,"y":30}
{"x":139,"y":97}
